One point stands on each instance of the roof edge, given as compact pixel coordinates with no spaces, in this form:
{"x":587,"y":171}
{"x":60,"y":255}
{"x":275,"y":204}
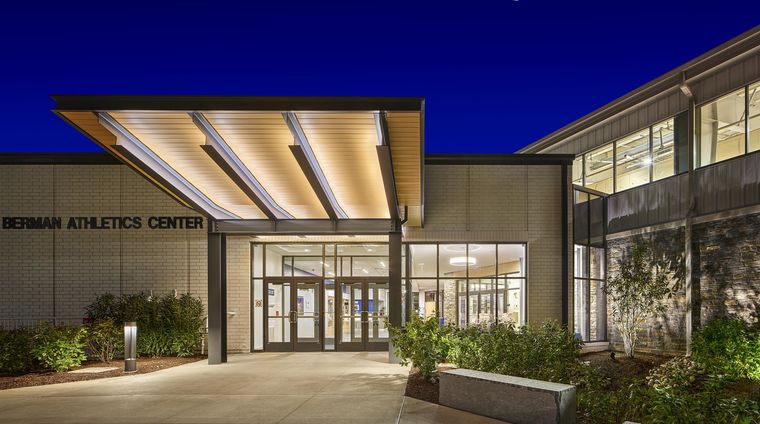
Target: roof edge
{"x":499,"y":159}
{"x":74,"y":102}
{"x":715,"y":57}
{"x":52,"y":158}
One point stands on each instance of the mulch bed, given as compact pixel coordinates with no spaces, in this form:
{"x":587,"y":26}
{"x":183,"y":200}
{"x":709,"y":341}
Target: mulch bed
{"x":144,"y":366}
{"x":621,"y":370}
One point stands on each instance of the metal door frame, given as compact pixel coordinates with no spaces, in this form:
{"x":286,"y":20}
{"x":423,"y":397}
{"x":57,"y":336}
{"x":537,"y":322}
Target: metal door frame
{"x":365,"y":344}
{"x":293,"y":345}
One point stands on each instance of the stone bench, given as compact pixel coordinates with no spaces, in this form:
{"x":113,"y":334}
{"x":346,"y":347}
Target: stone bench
{"x":513,"y":399}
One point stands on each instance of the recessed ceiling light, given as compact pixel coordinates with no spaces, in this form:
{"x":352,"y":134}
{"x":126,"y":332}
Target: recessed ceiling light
{"x":462,"y":261}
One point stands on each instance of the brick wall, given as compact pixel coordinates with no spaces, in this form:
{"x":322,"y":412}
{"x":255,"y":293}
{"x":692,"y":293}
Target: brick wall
{"x":503,"y":203}
{"x":238,"y":294}
{"x":53,"y":274}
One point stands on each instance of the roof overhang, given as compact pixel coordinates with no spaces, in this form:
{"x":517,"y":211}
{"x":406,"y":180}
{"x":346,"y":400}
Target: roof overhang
{"x":268,"y":159}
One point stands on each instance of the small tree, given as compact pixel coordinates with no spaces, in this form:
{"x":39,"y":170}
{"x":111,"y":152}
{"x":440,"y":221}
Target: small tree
{"x":637,"y":292}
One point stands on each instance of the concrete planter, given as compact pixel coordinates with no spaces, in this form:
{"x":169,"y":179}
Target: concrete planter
{"x":512,"y":399}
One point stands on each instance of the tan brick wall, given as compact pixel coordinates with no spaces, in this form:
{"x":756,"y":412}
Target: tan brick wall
{"x":53,"y":274}
{"x":503,"y":203}
{"x":238,"y":294}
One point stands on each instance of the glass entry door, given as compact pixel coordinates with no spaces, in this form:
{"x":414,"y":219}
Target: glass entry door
{"x":363,"y":309}
{"x":293,"y":320}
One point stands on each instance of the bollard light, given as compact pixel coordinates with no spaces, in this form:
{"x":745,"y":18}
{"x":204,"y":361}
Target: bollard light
{"x":130,"y":346}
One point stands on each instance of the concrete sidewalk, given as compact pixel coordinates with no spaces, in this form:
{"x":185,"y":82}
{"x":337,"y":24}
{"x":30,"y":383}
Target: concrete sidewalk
{"x":326,"y":387}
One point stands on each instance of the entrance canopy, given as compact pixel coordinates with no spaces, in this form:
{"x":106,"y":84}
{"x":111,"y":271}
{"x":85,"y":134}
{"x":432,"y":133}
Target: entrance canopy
{"x":267,"y":160}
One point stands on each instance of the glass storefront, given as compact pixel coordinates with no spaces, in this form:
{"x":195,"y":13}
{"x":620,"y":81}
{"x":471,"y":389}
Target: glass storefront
{"x":468,"y":283}
{"x":320,"y":296}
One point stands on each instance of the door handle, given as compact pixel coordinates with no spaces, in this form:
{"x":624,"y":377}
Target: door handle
{"x":292,"y":317}
{"x":365,"y":317}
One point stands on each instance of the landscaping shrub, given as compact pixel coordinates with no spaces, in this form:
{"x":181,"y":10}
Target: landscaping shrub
{"x":59,"y":347}
{"x":546,"y":352}
{"x":104,"y":338}
{"x":682,"y":391}
{"x":422,"y":342}
{"x":15,"y":348}
{"x":728,"y":347}
{"x":166,"y":325}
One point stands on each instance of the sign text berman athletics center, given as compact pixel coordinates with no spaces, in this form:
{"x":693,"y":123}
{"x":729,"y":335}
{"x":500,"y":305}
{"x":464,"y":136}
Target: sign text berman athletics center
{"x":102,"y":223}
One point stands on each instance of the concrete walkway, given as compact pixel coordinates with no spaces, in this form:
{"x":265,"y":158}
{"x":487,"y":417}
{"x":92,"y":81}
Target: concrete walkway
{"x":313,"y":388}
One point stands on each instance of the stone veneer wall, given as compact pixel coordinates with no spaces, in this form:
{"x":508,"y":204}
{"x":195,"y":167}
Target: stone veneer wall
{"x":665,"y":333}
{"x":727,"y":267}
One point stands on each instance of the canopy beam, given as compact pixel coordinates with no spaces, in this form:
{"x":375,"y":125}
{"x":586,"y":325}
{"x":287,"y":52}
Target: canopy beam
{"x":386,"y":164}
{"x":221,"y":153}
{"x":306,"y":159}
{"x":137,"y":152}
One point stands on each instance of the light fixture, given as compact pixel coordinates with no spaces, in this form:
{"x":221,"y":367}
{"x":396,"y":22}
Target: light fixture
{"x":364,"y":270}
{"x":647,"y":161}
{"x":382,"y":264}
{"x":130,"y":346}
{"x":462,"y":261}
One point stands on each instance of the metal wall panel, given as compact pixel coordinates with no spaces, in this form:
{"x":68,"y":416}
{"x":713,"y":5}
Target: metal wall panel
{"x":633,"y":120}
{"x":731,"y":184}
{"x":651,"y":204}
{"x":744,"y":71}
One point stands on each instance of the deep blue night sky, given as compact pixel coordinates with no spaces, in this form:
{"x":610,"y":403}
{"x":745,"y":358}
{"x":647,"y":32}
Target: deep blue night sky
{"x":497,"y":75}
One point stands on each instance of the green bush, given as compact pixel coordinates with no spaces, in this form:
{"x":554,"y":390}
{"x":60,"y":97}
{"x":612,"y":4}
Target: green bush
{"x":104,"y":338}
{"x":166,"y":325}
{"x":423,"y":343}
{"x":546,"y":352}
{"x":728,"y":347}
{"x":59,"y":347}
{"x":15,"y":348}
{"x":682,"y":391}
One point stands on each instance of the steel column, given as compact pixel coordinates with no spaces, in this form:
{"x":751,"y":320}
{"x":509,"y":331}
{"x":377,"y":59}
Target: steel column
{"x":217,"y":298}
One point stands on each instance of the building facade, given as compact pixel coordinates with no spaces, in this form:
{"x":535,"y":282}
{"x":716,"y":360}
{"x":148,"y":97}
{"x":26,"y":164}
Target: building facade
{"x":311,"y":224}
{"x":675,"y":162}
{"x":77,"y":226}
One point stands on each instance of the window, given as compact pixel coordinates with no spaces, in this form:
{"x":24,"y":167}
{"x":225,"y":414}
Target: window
{"x":721,"y":129}
{"x":632,"y":161}
{"x":468,"y":283}
{"x":647,"y":155}
{"x":599,"y":166}
{"x":663,"y":149}
{"x":753,"y":94}
{"x":578,"y":171}
{"x":590,"y":302}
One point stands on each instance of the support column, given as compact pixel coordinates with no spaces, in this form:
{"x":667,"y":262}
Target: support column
{"x":217,"y":298}
{"x":565,"y":261}
{"x":691,"y":299}
{"x":394,"y":286}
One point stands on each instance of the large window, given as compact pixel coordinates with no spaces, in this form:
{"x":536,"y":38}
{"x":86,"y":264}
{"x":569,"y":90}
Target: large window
{"x":633,"y":161}
{"x":589,"y":300}
{"x":647,"y":155}
{"x":729,"y":126}
{"x":721,"y":128}
{"x":753,"y":93}
{"x":463,"y":283}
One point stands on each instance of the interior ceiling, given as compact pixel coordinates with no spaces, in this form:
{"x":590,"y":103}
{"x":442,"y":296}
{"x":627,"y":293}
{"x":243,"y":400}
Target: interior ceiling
{"x":344,"y":145}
